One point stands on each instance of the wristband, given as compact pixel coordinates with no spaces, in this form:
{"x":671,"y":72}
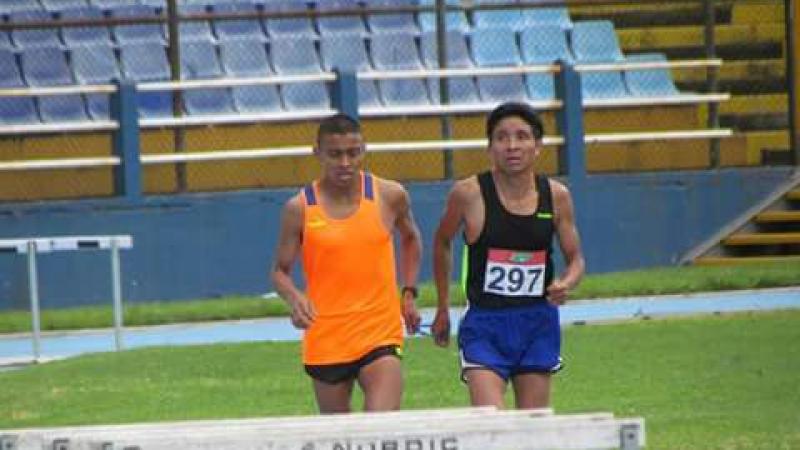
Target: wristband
{"x":411,"y":289}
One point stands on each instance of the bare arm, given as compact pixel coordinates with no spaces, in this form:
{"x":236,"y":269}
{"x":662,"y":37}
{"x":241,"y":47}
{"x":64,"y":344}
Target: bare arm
{"x":289,"y":244}
{"x":449,"y":224}
{"x":570,"y":245}
{"x":410,"y":252}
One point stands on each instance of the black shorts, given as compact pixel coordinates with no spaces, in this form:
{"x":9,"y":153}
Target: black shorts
{"x":337,"y":373}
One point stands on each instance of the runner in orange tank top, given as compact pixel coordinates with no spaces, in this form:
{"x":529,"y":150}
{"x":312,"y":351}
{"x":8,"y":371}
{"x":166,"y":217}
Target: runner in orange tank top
{"x":351,"y":310}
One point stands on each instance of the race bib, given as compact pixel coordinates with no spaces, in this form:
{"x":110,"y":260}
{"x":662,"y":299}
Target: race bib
{"x":514,"y":273}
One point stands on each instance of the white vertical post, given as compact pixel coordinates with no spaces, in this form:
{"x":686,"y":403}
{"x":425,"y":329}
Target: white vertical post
{"x":117,"y":293}
{"x":33,"y":289}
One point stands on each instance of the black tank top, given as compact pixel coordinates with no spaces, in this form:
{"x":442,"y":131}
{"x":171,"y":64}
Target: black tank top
{"x":510,"y":264}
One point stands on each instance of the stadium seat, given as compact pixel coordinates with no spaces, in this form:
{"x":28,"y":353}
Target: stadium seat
{"x":454,"y":20}
{"x":60,"y":5}
{"x":242,"y":58}
{"x":543,"y":44}
{"x":5,"y":41}
{"x":34,"y":37}
{"x":497,"y":47}
{"x":199,"y":61}
{"x":143,"y":62}
{"x":144,"y":32}
{"x":47,"y":66}
{"x":343,"y":23}
{"x":532,"y":17}
{"x":237,"y":28}
{"x":650,"y":82}
{"x":398,"y":51}
{"x":90,"y":35}
{"x":298,"y":56}
{"x":595,"y":41}
{"x":462,"y":90}
{"x":194,"y":30}
{"x":397,"y":22}
{"x":497,"y":18}
{"x":95,"y":64}
{"x":8,"y":7}
{"x":288,"y":26}
{"x":155,"y":3}
{"x":348,"y":51}
{"x":14,"y":110}
{"x":112,"y":4}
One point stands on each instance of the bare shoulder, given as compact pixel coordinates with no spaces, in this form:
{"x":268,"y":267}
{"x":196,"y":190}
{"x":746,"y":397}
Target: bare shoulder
{"x":562,"y":200}
{"x":293,"y":208}
{"x":559,"y":189}
{"x":392,"y":192}
{"x":466,"y":190}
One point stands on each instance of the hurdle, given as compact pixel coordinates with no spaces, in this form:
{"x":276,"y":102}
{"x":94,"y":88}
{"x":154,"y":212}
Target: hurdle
{"x":35,"y":245}
{"x":436,"y":429}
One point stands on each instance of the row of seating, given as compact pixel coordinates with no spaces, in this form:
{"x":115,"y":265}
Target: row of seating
{"x":263,"y":29}
{"x":243,"y":58}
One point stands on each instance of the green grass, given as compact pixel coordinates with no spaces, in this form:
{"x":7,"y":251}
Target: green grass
{"x":710,"y":382}
{"x":643,"y":282}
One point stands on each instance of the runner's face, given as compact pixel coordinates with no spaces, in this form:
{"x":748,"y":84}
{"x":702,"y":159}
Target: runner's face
{"x":513,"y":147}
{"x":340,"y":156}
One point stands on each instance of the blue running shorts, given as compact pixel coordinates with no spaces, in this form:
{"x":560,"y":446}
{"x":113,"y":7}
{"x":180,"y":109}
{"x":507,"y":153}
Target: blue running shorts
{"x":511,"y":341}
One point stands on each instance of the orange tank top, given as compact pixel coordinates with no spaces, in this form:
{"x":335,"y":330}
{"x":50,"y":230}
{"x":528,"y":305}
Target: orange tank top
{"x":349,"y":268}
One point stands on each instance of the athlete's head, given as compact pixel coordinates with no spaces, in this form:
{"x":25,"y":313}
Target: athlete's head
{"x":515,"y":137}
{"x":339,"y":148}
{"x":522,"y":111}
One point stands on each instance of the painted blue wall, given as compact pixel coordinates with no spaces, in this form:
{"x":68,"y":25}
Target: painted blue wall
{"x":200,"y":246}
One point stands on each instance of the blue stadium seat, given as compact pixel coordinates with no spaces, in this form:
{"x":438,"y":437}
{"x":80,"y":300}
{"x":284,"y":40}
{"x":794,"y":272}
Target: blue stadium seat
{"x":595,"y":41}
{"x":34,"y":37}
{"x":194,"y":30}
{"x":650,"y":82}
{"x":288,"y":26}
{"x":96,"y":35}
{"x":95,"y":64}
{"x":497,"y":47}
{"x":237,"y":28}
{"x":143,"y":62}
{"x":5,"y":40}
{"x":532,"y":17}
{"x":155,"y":3}
{"x":199,"y":61}
{"x":349,"y":52}
{"x":402,"y":22}
{"x":144,"y":32}
{"x":497,"y":18}
{"x":462,"y":90}
{"x":47,"y":66}
{"x":8,"y":7}
{"x":398,"y":51}
{"x":242,"y":58}
{"x":112,"y":4}
{"x":14,"y":110}
{"x":454,"y":20}
{"x":60,"y":5}
{"x":298,"y":56}
{"x":340,"y":24}
{"x":543,"y":44}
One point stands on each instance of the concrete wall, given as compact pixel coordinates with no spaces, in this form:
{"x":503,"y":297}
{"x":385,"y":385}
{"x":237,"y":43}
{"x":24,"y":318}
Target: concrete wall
{"x":199,"y":246}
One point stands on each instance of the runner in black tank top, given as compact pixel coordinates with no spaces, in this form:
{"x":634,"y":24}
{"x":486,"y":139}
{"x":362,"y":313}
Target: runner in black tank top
{"x":510,"y":264}
{"x":510,"y":333}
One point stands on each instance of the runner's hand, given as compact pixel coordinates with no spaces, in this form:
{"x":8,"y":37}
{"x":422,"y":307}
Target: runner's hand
{"x":410,"y":314}
{"x":557,"y":292}
{"x":440,"y":328}
{"x":303,"y":313}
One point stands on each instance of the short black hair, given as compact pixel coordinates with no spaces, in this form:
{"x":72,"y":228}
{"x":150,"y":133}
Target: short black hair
{"x":338,"y":123}
{"x":515,"y":109}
